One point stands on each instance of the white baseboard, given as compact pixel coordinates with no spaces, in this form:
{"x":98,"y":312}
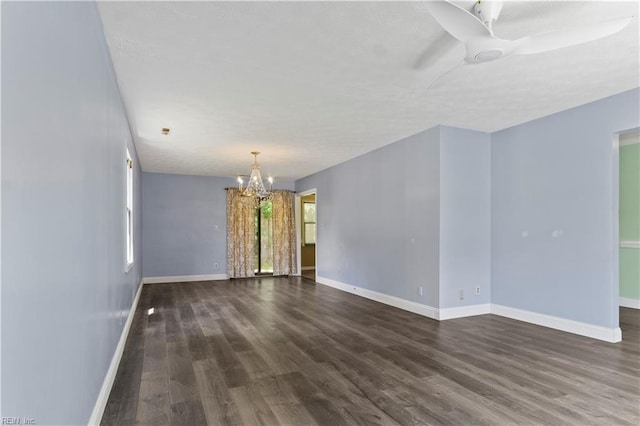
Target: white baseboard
{"x":184,"y":278}
{"x":107,"y":384}
{"x":612,"y":335}
{"x":417,"y":308}
{"x":465,"y":311}
{"x":626,"y":302}
{"x":307,"y":268}
{"x":407,"y":305}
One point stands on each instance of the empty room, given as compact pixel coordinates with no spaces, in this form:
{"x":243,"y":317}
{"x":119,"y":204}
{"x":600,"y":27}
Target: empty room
{"x":320,"y":213}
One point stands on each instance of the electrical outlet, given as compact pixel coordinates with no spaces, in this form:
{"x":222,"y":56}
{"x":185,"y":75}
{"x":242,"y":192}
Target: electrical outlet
{"x":420,"y":291}
{"x":215,"y":265}
{"x":461,"y":294}
{"x":477,"y":290}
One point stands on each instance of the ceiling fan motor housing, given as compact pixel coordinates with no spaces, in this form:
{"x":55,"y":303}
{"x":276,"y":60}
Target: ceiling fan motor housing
{"x":487,"y":11}
{"x":488,"y":55}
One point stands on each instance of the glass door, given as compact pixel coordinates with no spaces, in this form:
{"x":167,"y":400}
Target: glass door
{"x":263,"y":253}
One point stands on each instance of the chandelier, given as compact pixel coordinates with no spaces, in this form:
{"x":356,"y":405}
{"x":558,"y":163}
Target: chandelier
{"x":255,"y":191}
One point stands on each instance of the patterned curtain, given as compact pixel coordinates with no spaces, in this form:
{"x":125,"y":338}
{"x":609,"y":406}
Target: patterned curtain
{"x":240,"y":235}
{"x":284,"y":234}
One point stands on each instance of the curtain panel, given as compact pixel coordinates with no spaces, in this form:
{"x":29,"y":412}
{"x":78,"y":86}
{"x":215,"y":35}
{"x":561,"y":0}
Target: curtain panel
{"x":240,"y":236}
{"x":284,"y":234}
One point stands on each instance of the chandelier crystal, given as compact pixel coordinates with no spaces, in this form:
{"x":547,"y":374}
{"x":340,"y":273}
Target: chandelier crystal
{"x":255,"y":191}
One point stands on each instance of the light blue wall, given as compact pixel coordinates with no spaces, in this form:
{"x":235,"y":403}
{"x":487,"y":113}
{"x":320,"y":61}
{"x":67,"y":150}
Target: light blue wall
{"x":555,"y":173}
{"x":65,"y":295}
{"x":180,"y":214}
{"x":465,"y":216}
{"x":378,"y":219}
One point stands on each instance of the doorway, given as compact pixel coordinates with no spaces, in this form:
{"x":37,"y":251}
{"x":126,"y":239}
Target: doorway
{"x":307,"y":226}
{"x":626,"y":230}
{"x":629,"y":219}
{"x":263,"y":251}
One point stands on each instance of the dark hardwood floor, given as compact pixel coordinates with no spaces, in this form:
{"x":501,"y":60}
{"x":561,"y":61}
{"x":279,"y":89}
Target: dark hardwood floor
{"x":309,"y":273}
{"x":286,"y":351}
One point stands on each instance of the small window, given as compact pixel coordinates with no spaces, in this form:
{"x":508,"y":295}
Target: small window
{"x":309,"y":223}
{"x":129,"y":212}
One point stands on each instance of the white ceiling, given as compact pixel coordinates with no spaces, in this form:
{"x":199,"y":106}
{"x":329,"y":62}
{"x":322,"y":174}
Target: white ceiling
{"x":313,"y":84}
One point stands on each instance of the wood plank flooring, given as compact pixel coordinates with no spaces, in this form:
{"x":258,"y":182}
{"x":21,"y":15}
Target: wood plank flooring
{"x":309,"y":274}
{"x":287,"y":351}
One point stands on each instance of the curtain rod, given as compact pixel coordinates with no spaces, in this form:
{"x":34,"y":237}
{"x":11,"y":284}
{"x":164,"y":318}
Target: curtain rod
{"x":287,"y":190}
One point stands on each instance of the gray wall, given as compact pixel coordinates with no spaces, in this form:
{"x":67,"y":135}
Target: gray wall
{"x":555,"y":173}
{"x":378,"y":219}
{"x":180,"y":214}
{"x":65,"y":295}
{"x":465,"y":216}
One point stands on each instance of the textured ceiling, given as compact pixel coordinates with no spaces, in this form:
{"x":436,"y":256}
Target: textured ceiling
{"x":313,"y":84}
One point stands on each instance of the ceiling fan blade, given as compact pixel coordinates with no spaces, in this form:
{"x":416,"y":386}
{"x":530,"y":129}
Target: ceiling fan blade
{"x":457,"y":21}
{"x":558,"y":39}
{"x":436,"y":51}
{"x":437,"y":82}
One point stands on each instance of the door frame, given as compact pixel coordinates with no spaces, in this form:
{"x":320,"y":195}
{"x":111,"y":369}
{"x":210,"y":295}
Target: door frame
{"x":298,"y":212}
{"x":615,"y":227}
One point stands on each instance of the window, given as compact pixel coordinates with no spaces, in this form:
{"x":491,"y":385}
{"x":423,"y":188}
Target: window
{"x":129,"y":212}
{"x":309,"y":222}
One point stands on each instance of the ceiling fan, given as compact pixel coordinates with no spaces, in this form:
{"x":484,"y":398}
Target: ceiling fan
{"x":476,"y":32}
